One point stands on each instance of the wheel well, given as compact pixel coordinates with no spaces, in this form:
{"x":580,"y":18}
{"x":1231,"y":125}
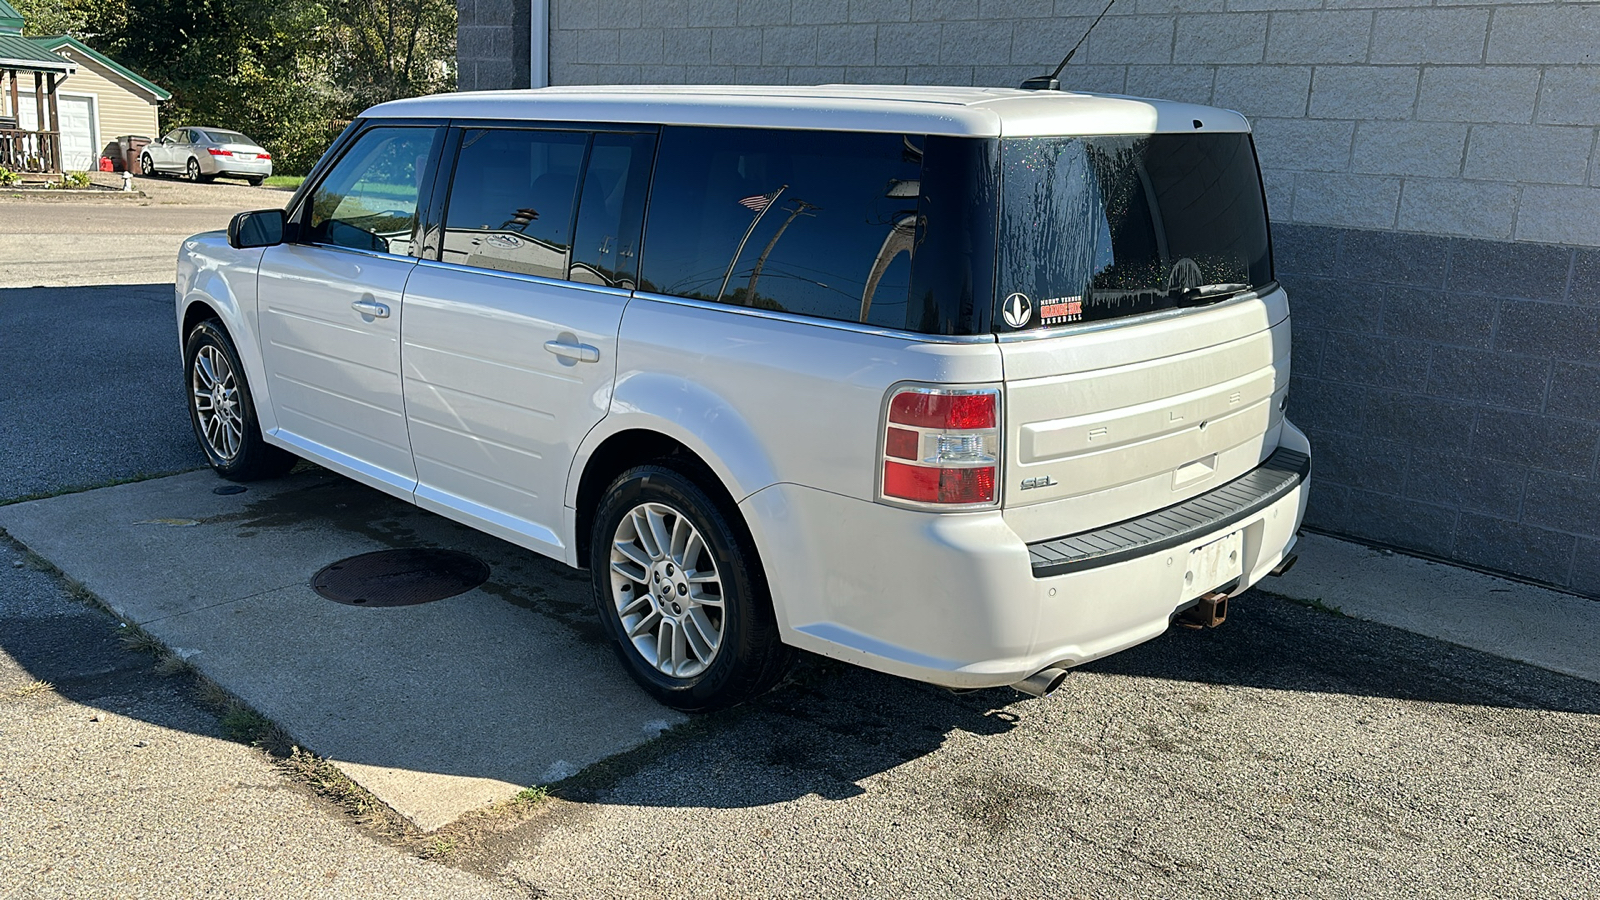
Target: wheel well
{"x":196,"y":313}
{"x":621,"y":452}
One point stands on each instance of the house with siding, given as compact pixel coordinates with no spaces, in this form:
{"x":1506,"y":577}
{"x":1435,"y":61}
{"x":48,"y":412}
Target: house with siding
{"x":1432,"y":170}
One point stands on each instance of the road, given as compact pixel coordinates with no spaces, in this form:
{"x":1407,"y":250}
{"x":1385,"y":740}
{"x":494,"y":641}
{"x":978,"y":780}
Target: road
{"x":1291,"y":752}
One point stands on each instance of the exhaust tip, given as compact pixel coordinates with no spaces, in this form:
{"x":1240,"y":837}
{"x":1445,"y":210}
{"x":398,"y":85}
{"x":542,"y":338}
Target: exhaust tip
{"x":1283,"y":567}
{"x":1042,"y":683}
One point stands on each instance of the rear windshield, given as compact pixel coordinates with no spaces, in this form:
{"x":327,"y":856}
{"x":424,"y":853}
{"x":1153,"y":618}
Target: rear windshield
{"x":1096,"y":228}
{"x":228,"y":137}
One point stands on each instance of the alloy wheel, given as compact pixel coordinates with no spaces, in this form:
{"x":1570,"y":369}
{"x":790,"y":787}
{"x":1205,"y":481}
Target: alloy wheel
{"x":667,"y":590}
{"x":217,"y":402}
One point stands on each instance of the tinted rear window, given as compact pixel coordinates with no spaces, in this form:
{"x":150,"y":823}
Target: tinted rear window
{"x":1106,"y":227}
{"x":890,"y":230}
{"x":228,"y":137}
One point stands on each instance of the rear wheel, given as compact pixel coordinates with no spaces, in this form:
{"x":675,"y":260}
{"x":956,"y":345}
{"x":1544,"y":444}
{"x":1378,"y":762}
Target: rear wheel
{"x":681,"y":592}
{"x":222,"y":411}
{"x":255,"y":180}
{"x":194,"y":171}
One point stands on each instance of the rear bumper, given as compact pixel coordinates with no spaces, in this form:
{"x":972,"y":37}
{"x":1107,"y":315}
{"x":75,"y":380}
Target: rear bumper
{"x":959,"y":599}
{"x":221,"y":165}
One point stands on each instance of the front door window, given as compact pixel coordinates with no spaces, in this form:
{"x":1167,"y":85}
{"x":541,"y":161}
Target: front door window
{"x":369,"y":200}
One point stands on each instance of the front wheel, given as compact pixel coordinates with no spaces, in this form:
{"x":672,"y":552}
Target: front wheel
{"x":148,"y":166}
{"x":223,"y":412}
{"x":681,"y":592}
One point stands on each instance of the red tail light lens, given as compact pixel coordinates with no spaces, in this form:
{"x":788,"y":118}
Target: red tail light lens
{"x":942,"y":446}
{"x":263,"y":155}
{"x":215,"y":152}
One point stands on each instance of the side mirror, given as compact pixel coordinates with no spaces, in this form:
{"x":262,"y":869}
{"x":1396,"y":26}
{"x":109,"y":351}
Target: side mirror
{"x":261,"y":228}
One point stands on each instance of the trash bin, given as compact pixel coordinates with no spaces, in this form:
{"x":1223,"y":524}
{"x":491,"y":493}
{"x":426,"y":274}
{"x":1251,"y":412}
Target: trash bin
{"x":132,"y":146}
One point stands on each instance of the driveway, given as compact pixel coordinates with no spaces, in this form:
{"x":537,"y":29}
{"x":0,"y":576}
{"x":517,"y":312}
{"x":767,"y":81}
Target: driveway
{"x":1292,"y":752}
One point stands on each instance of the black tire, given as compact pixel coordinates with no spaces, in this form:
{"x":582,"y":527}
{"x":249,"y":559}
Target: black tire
{"x":750,"y":658}
{"x":255,"y":180}
{"x":193,"y":171}
{"x":148,"y":166}
{"x":252,"y":457}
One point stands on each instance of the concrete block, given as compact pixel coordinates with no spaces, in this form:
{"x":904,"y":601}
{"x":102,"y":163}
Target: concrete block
{"x":669,"y":74}
{"x":495,"y":12}
{"x":1015,"y":9}
{"x":1355,"y":358}
{"x":1488,"y":378}
{"x":789,"y":45}
{"x":1586,"y":567}
{"x":1364,"y":92}
{"x":598,"y":46}
{"x":1559,"y":215}
{"x":1156,"y":7}
{"x":1478,"y":94}
{"x":1191,"y":84}
{"x":1478,"y":209}
{"x":736,"y":46}
{"x":1326,"y":36}
{"x":1264,"y":90}
{"x":713,"y":13}
{"x":875,"y":74}
{"x":764,"y":12}
{"x":916,"y":44}
{"x":1575,"y":393}
{"x":1537,"y":441}
{"x":1453,"y":36}
{"x":1227,"y":39}
{"x":816,"y":74}
{"x":1396,"y":520}
{"x":1010,"y":76}
{"x":1568,"y":35}
{"x":1306,"y":350}
{"x":1447,"y":423}
{"x":1303,"y":145}
{"x":643,"y":46}
{"x":1513,"y":547}
{"x":1334,"y":304}
{"x":1272,"y":5}
{"x":1439,"y":317}
{"x":971,"y":44}
{"x":1359,"y":461}
{"x":709,"y":75}
{"x":618,"y":73}
{"x":1464,"y":482}
{"x":1559,"y":330}
{"x":1130,"y":39}
{"x":846,"y":45}
{"x":760,"y":75}
{"x":1041,"y":43}
{"x":1548,"y":154}
{"x":662,"y":14}
{"x":880,"y":10}
{"x":1315,"y":403}
{"x":501,"y":74}
{"x":686,"y":46}
{"x":1278,"y":186}
{"x":1375,"y":4}
{"x":1569,"y":96}
{"x":1504,"y":269}
{"x":1393,"y":258}
{"x":938,"y":74}
{"x":1432,"y":149}
{"x":1305,"y":249}
{"x":819,"y":12}
{"x":473,"y":42}
{"x":1105,"y":79}
{"x":1585,"y":281}
{"x":943,"y":10}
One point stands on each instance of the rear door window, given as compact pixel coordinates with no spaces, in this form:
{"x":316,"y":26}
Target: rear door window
{"x":826,"y":224}
{"x":606,"y":240}
{"x":1096,"y":228}
{"x":511,"y":200}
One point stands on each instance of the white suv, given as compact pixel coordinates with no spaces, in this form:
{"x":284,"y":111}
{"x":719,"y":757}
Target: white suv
{"x":965,"y":385}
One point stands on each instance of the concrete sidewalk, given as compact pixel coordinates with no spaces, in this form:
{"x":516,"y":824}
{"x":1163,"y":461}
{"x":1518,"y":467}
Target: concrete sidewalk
{"x":1549,"y":629}
{"x":437,"y":709}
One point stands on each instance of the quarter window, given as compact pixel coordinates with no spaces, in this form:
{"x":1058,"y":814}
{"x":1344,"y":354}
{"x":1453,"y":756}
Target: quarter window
{"x":369,"y":200}
{"x":605,"y":248}
{"x":511,"y":200}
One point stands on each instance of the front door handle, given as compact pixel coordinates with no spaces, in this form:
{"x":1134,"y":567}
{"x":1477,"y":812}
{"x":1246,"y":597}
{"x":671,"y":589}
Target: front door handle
{"x":371,"y":308}
{"x":573,"y":351}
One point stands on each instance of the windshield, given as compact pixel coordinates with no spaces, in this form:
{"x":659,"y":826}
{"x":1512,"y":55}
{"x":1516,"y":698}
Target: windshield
{"x":1096,"y":228}
{"x":228,"y":137}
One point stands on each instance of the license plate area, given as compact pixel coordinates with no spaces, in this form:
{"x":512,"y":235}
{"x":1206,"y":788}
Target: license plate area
{"x":1213,"y":565}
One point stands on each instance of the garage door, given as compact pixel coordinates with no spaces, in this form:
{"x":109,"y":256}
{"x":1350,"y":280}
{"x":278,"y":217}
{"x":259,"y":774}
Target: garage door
{"x":79,"y":144}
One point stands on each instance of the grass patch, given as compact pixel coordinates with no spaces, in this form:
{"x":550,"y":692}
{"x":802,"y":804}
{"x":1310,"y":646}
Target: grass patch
{"x":93,"y":486}
{"x":33,"y":687}
{"x":138,"y":640}
{"x":284,"y":181}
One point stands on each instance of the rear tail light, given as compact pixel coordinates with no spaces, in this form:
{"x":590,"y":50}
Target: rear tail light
{"x":941,"y":446}
{"x":215,"y":152}
{"x":263,"y":155}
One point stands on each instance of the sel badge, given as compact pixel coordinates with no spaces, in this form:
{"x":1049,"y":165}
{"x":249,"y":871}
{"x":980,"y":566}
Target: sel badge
{"x":1017,"y":310}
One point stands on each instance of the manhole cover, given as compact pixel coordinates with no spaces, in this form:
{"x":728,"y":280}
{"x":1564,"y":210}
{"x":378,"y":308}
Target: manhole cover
{"x":400,"y":577}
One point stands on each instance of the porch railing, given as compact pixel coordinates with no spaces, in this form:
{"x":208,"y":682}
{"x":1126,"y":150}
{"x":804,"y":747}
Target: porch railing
{"x":30,"y":151}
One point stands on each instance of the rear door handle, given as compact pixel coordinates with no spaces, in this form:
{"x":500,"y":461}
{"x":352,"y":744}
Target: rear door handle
{"x":371,"y":308}
{"x":573,"y":351}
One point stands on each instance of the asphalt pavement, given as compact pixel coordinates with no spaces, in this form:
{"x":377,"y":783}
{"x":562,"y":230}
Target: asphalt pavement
{"x":1291,"y":753}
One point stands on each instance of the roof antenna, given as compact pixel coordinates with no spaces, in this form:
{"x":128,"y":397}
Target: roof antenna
{"x":1052,"y":82}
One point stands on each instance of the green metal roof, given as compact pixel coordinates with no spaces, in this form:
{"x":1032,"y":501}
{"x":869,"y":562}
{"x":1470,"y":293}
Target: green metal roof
{"x":10,"y":19}
{"x":17,"y":52}
{"x":67,"y":40}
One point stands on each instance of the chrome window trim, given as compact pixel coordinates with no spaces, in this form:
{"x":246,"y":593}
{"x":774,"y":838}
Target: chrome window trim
{"x":376,"y":254}
{"x":1142,"y":319}
{"x":530,"y":279}
{"x":836,"y":324}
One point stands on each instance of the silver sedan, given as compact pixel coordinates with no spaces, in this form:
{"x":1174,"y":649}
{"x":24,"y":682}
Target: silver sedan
{"x":202,"y":154}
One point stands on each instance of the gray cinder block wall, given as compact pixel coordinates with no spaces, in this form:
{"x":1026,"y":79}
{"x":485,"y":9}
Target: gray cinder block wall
{"x":1433,"y":179}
